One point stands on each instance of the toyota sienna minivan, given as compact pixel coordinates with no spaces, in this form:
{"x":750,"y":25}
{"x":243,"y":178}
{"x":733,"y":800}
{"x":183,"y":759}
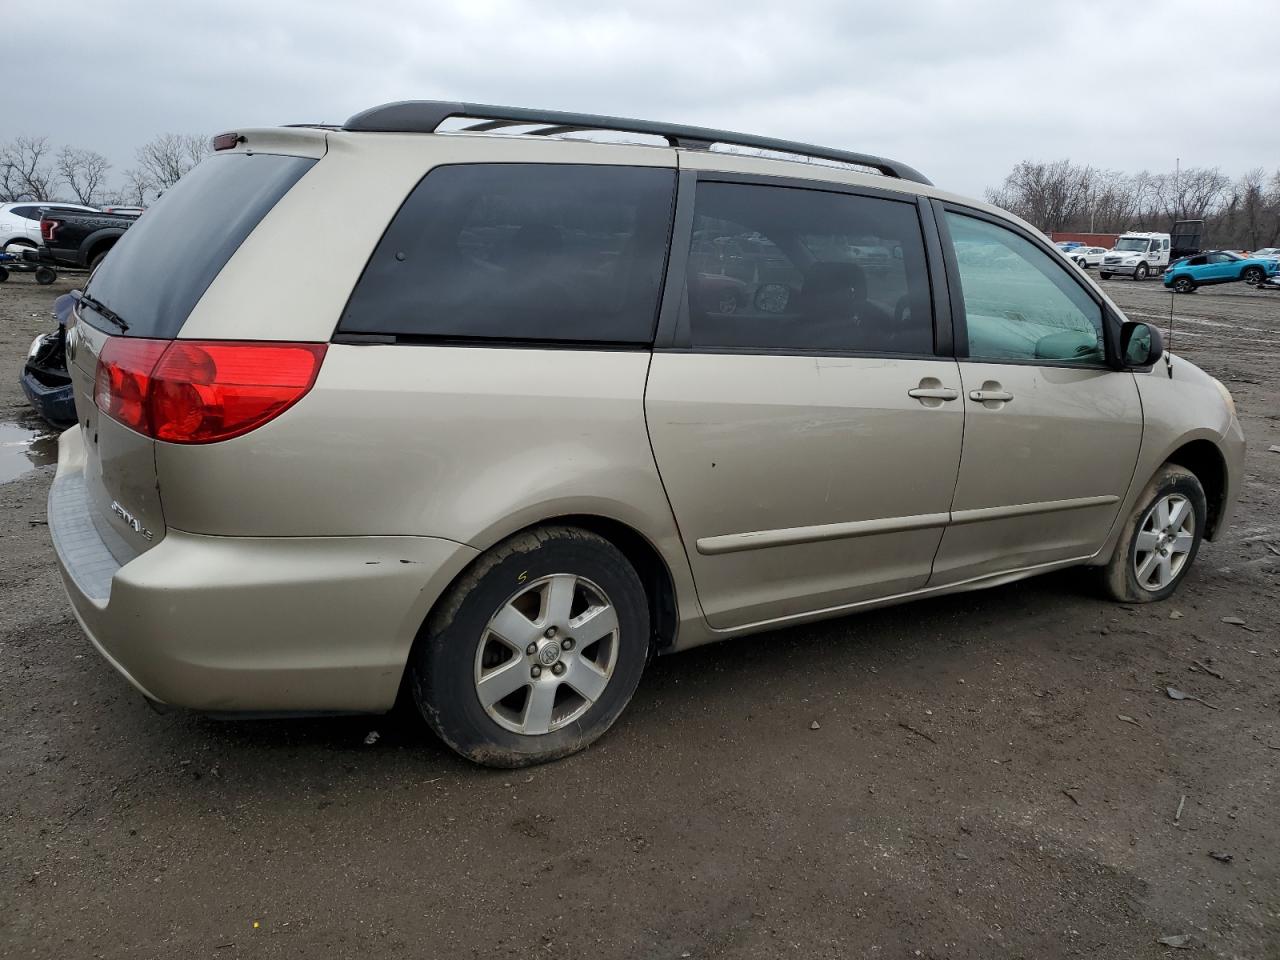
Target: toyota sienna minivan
{"x":446,"y":405}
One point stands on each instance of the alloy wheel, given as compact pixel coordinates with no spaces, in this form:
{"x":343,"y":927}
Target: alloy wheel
{"x":547,"y":654}
{"x":1165,"y":538}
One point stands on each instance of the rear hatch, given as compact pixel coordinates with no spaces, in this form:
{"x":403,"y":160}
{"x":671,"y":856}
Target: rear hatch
{"x":133,"y":310}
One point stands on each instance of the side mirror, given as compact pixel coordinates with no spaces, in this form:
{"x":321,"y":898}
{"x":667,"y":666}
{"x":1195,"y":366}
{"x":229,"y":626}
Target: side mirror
{"x":1140,"y":344}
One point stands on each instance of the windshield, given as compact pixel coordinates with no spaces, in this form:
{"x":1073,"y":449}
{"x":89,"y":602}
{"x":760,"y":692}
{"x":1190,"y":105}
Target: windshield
{"x":1132,"y":244}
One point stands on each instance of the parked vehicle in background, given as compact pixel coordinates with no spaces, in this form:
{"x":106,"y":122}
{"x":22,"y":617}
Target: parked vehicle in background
{"x":20,"y":223}
{"x":44,"y":378}
{"x":1218,"y":266}
{"x":78,"y":239}
{"x":1086,"y":257}
{"x":1270,"y":253}
{"x":1136,"y":255}
{"x":493,"y":457}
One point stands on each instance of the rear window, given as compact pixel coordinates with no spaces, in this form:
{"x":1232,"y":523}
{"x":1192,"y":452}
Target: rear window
{"x":538,"y":252}
{"x":161,"y":267}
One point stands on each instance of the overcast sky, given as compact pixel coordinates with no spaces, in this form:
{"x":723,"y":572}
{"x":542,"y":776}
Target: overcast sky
{"x":960,"y":90}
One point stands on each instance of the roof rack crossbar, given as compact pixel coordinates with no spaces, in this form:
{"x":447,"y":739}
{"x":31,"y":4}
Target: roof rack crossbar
{"x":425,"y":116}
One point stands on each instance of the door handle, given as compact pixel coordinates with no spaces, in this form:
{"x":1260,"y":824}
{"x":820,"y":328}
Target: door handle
{"x":933,"y":393}
{"x":985,"y":396}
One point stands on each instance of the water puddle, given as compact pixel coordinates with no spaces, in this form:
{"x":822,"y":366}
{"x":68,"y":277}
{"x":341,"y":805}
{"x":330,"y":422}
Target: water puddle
{"x":22,"y":449}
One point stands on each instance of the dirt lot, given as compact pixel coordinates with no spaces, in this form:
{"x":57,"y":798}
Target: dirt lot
{"x":970,"y":791}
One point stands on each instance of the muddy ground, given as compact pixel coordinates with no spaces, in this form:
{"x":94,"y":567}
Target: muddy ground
{"x":970,"y":792}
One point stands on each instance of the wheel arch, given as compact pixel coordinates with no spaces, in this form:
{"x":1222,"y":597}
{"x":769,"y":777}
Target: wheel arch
{"x":98,"y":242}
{"x":1203,"y":458}
{"x":641,"y":553}
{"x":652,"y":567}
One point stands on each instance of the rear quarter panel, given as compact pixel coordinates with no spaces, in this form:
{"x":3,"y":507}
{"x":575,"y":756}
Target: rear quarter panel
{"x":465,"y":443}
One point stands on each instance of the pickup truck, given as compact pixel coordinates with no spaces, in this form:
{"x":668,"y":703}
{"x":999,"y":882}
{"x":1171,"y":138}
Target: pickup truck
{"x":80,"y":239}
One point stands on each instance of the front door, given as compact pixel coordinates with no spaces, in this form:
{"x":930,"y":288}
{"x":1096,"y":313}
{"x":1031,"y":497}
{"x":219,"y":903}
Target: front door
{"x":1051,"y":432}
{"x":806,"y":432}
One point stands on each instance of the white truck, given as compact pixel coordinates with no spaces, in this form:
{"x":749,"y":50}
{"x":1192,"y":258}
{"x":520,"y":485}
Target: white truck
{"x":1136,"y":255}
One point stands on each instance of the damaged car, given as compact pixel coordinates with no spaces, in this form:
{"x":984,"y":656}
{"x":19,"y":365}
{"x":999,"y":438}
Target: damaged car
{"x":45,"y":379}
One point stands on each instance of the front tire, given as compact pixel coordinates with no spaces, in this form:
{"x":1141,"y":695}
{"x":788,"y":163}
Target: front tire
{"x":534,"y":652}
{"x":45,"y":276}
{"x":1161,"y":538}
{"x":1102,"y":275}
{"x":1252,"y":275}
{"x":1140,"y":272}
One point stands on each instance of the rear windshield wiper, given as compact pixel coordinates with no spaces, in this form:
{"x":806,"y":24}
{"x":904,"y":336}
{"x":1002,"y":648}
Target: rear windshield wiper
{"x":106,"y":312}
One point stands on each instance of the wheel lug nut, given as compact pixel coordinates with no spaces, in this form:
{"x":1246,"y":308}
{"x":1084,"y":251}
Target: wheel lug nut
{"x":550,"y":632}
{"x":535,"y":672}
{"x":566,"y":643}
{"x":558,"y":669}
{"x":531,"y":649}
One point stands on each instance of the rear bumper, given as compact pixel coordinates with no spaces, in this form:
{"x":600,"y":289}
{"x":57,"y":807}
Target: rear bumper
{"x":238,"y":624}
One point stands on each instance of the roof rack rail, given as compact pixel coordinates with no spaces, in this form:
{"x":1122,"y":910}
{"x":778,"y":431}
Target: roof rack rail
{"x":425,"y":116}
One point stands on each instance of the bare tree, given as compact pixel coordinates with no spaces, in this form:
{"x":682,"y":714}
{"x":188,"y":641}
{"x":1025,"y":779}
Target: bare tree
{"x":25,"y":171}
{"x":137,"y":190}
{"x":1191,"y":194}
{"x":166,"y":158}
{"x":1047,"y":194}
{"x":84,"y":172}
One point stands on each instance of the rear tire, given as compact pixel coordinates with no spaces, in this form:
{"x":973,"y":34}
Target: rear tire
{"x":1140,"y":272}
{"x":4,"y":275}
{"x":1184,"y":285}
{"x":97,"y":260}
{"x":1103,"y":276}
{"x":45,"y":276}
{"x":484,"y":673}
{"x":1160,"y":540}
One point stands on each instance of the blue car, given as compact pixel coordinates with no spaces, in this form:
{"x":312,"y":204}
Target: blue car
{"x":1218,"y":266}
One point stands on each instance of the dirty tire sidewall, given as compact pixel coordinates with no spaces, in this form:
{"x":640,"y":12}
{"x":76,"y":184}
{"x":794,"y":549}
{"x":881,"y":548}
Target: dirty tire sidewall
{"x":1119,"y":576}
{"x":443,"y":661}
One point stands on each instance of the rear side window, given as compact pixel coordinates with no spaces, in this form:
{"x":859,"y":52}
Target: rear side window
{"x":160,"y":268}
{"x":794,"y":270}
{"x":516,"y":251}
{"x":27,"y":213}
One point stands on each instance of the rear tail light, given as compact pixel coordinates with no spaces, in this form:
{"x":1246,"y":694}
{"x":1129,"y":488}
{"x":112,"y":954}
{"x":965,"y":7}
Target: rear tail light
{"x":200,"y":391}
{"x":48,"y":229}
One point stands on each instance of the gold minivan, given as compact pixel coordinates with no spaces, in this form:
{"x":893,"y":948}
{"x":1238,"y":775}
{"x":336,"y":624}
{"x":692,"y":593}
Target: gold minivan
{"x":456,"y":404}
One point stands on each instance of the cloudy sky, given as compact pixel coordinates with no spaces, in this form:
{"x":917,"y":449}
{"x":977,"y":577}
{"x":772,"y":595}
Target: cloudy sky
{"x":960,"y":90}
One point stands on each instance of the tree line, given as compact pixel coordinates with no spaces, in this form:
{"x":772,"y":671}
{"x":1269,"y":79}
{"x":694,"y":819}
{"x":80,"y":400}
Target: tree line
{"x":33,"y":169}
{"x":1243,"y":213}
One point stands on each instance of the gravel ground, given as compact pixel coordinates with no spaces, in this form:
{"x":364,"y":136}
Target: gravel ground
{"x":969,"y":790}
